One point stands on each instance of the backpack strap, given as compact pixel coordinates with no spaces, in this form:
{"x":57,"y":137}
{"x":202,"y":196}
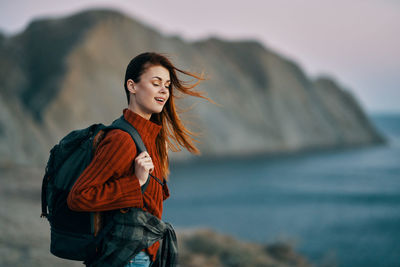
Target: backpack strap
{"x":43,"y":197}
{"x":45,"y":182}
{"x":122,"y":124}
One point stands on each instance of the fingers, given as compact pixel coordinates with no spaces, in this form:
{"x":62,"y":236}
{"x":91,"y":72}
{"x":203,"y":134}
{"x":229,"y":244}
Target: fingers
{"x":144,"y":160}
{"x":144,"y":154}
{"x":143,"y":157}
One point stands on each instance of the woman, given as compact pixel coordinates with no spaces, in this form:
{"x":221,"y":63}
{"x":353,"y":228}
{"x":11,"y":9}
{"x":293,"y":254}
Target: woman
{"x":116,"y":176}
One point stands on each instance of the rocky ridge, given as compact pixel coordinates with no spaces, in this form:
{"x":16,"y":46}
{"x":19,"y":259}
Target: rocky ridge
{"x":62,"y":74}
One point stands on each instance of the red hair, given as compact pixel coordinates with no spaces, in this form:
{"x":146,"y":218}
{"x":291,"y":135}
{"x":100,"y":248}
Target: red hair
{"x":173,"y":132}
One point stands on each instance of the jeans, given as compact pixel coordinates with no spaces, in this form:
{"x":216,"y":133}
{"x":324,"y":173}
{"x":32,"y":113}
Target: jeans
{"x":142,"y":259}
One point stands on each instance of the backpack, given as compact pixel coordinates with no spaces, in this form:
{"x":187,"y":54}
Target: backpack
{"x":73,"y":234}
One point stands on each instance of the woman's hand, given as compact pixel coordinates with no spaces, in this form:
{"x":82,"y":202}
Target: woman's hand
{"x":143,"y":165}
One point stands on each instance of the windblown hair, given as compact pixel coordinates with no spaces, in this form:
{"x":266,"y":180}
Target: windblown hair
{"x":168,"y":118}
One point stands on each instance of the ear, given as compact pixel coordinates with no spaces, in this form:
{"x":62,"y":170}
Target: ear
{"x":130,"y":85}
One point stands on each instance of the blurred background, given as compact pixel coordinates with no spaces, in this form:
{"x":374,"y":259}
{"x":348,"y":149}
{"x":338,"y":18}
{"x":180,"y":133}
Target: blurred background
{"x":300,"y":163}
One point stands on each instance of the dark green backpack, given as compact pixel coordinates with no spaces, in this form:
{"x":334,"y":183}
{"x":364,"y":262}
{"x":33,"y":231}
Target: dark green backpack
{"x":73,"y":233}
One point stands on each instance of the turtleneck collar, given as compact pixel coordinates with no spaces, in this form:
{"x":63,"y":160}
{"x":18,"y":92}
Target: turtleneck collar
{"x":147,"y":129}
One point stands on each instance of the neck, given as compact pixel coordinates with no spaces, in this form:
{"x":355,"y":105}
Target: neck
{"x":135,"y":109}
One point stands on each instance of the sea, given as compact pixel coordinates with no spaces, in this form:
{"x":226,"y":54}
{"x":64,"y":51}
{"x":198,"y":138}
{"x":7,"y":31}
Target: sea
{"x":337,"y":208}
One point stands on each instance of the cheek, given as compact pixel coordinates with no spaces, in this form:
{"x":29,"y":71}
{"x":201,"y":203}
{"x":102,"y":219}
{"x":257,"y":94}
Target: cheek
{"x":145,"y":95}
{"x":148,"y":92}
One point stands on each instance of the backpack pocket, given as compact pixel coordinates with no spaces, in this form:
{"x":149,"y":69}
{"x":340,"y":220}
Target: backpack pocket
{"x":72,"y":246}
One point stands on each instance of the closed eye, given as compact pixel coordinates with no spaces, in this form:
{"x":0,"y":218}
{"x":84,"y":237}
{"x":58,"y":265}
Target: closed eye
{"x":169,"y":87}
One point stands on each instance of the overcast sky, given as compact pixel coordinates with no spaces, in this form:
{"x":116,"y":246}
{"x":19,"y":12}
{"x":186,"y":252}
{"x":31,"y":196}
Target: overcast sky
{"x":354,"y":41}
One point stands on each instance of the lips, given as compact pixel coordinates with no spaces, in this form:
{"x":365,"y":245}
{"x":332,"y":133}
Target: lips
{"x":160,"y":99}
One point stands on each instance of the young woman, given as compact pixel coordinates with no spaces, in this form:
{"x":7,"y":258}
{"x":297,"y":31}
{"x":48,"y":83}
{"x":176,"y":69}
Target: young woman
{"x":114,"y":179}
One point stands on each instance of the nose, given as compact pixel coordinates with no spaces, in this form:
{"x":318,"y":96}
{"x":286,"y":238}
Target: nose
{"x":164,"y":89}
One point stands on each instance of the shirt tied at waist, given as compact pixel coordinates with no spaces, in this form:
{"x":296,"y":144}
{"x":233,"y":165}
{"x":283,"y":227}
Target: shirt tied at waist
{"x":134,"y":231}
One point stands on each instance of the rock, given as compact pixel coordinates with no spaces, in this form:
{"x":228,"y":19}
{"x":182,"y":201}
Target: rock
{"x":62,"y":74}
{"x":205,"y":247}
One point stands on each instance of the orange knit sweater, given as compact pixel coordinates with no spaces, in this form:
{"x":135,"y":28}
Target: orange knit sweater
{"x":109,"y":181}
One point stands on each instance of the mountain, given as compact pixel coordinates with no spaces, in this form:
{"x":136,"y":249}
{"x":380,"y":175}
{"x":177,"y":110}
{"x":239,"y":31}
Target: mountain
{"x":62,"y":74}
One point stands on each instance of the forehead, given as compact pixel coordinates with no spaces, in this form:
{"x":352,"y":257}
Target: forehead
{"x":158,"y":71}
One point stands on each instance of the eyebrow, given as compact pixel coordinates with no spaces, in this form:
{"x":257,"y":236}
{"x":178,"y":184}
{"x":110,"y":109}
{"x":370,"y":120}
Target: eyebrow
{"x":159,"y":78}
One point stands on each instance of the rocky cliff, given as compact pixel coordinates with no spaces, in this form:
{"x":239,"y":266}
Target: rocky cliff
{"x":67,"y":73}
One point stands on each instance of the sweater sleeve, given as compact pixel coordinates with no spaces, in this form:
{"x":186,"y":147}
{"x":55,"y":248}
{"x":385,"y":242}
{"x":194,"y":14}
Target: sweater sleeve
{"x":102,"y":186}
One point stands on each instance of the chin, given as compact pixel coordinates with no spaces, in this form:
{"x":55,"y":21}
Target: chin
{"x":157,"y":110}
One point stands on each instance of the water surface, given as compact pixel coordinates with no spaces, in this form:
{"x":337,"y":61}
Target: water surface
{"x":341,"y":206}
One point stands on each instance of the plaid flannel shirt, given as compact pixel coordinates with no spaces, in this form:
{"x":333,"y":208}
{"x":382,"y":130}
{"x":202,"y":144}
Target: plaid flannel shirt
{"x":133,"y":231}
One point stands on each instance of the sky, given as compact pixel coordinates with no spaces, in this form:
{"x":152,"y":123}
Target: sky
{"x":356,"y":42}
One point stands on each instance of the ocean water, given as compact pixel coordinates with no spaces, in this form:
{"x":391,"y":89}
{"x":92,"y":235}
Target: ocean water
{"x":340,"y":207}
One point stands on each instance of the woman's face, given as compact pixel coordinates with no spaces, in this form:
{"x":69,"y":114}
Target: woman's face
{"x":152,"y":92}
